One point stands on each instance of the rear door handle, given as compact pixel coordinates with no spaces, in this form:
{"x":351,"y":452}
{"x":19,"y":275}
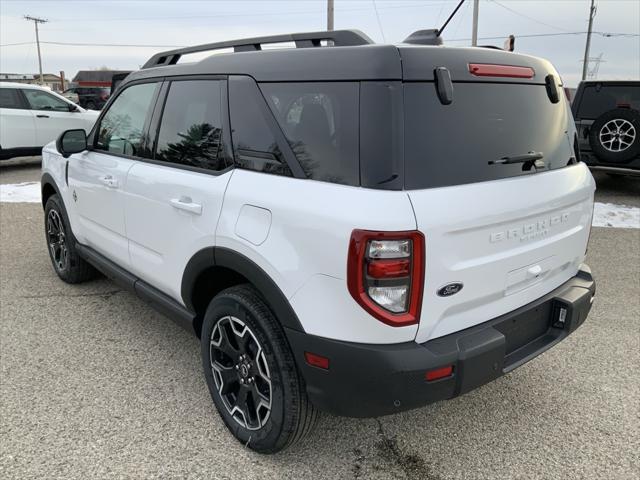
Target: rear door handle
{"x":42,"y":116}
{"x":185,"y":203}
{"x":109,"y":181}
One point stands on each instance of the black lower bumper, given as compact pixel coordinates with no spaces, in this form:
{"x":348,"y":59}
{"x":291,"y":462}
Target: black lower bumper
{"x":366,"y":380}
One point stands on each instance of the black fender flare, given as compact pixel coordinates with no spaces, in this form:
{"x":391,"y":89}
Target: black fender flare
{"x":47,"y":179}
{"x":227,"y":258}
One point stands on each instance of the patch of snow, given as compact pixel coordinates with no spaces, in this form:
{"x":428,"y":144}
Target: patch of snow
{"x":616,"y":216}
{"x":27,"y":192}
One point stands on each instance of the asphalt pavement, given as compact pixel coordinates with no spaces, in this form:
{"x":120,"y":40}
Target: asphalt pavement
{"x":96,"y":384}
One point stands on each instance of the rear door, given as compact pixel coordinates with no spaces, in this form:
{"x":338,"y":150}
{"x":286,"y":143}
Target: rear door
{"x":17,"y":123}
{"x":507,"y":232}
{"x":173,"y":200}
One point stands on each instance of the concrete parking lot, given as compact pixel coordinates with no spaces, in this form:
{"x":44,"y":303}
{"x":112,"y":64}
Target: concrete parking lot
{"x":95,"y":384}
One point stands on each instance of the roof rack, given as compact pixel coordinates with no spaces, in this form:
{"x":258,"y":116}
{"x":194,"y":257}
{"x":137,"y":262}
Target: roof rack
{"x":340,"y":38}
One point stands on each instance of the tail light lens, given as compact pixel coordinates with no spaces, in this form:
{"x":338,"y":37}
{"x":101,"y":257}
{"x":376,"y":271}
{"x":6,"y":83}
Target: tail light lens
{"x":385,"y":274}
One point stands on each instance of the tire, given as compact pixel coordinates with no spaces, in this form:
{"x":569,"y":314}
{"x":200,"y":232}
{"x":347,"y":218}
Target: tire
{"x":90,"y":106}
{"x":61,"y":244}
{"x":245,"y":355}
{"x":615,"y":135}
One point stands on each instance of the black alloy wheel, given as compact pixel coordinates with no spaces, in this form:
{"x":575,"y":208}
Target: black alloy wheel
{"x":241,"y":372}
{"x":57,"y":240}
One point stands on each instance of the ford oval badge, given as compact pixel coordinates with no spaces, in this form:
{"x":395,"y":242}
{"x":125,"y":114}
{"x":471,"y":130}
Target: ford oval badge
{"x":450,"y":289}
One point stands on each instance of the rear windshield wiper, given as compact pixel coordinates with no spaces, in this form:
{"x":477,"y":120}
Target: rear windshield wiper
{"x":530,"y":159}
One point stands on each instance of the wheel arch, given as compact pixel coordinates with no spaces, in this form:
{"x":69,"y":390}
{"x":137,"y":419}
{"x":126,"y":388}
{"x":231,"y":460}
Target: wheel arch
{"x":214,"y":269}
{"x":48,"y":187}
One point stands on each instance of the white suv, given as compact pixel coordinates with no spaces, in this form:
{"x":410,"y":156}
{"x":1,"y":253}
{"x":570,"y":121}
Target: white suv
{"x":31,"y":116}
{"x":359,"y":229}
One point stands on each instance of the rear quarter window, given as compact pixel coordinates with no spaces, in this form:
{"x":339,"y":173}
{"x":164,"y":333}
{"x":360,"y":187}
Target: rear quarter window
{"x":320,"y":122}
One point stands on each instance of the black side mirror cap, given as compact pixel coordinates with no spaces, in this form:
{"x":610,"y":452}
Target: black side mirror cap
{"x":73,"y":108}
{"x":71,"y":141}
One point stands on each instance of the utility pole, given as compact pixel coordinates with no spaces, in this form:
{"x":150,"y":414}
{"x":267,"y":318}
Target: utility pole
{"x":585,"y":65}
{"x":474,"y":33}
{"x":330,"y":15}
{"x":36,"y":21}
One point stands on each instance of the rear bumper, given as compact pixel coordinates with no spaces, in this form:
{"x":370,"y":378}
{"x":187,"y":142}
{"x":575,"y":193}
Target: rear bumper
{"x":366,"y":380}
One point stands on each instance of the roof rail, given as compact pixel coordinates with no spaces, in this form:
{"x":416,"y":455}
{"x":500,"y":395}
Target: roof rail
{"x":340,"y":38}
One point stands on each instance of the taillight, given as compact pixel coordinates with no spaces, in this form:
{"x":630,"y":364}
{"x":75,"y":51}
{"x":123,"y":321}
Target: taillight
{"x":385,"y":274}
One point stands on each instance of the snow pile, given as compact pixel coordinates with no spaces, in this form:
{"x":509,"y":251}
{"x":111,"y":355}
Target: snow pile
{"x":617,"y":216}
{"x":27,"y":192}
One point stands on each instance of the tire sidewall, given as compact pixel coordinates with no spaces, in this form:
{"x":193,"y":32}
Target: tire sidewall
{"x":598,"y":149}
{"x":268,"y":438}
{"x":54,"y":203}
{"x":73,"y":259}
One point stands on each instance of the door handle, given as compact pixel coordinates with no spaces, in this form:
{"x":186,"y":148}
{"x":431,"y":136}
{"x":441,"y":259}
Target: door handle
{"x":109,"y":181}
{"x":42,"y":116}
{"x":186,"y":204}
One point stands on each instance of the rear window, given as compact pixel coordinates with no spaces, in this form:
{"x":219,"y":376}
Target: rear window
{"x":600,"y":98}
{"x":320,"y":122}
{"x":10,"y":98}
{"x":453,"y":144}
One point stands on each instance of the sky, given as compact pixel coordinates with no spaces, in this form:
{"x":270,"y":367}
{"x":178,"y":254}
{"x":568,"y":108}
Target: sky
{"x":132,"y":31}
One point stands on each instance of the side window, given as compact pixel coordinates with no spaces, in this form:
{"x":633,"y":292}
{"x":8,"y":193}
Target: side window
{"x":320,"y":121}
{"x":10,"y":98}
{"x":39,"y":100}
{"x":191,"y":128}
{"x":254,"y":143}
{"x":121,"y":129}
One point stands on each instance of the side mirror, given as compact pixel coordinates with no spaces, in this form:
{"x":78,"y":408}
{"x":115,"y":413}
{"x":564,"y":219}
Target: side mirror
{"x":73,"y":108}
{"x":71,"y":141}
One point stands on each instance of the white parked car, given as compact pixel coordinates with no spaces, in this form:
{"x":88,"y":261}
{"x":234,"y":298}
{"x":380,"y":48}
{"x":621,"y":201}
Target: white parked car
{"x":31,"y":116}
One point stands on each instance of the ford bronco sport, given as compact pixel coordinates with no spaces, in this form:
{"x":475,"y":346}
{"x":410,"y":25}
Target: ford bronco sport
{"x":348,"y":227}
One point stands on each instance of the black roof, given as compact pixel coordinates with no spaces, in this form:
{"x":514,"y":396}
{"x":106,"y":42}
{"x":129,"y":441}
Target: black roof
{"x":615,"y":82}
{"x":354,"y":57}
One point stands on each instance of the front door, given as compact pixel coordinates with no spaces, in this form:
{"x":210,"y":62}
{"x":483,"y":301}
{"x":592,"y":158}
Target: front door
{"x":97,"y":177}
{"x":173,"y":202}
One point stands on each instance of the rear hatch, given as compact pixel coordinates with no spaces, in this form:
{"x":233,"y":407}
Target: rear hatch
{"x":508,"y":233}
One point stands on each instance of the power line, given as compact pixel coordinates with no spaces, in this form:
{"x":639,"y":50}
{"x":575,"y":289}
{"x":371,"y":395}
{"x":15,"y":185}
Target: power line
{"x":533,"y":35}
{"x":536,"y":35}
{"x":527,"y":16}
{"x":72,"y":44}
{"x":375,"y":8}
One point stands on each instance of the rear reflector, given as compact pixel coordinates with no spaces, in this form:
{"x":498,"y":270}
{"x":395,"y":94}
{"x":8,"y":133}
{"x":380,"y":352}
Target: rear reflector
{"x":316,"y":360}
{"x":439,"y":373}
{"x":490,"y":70}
